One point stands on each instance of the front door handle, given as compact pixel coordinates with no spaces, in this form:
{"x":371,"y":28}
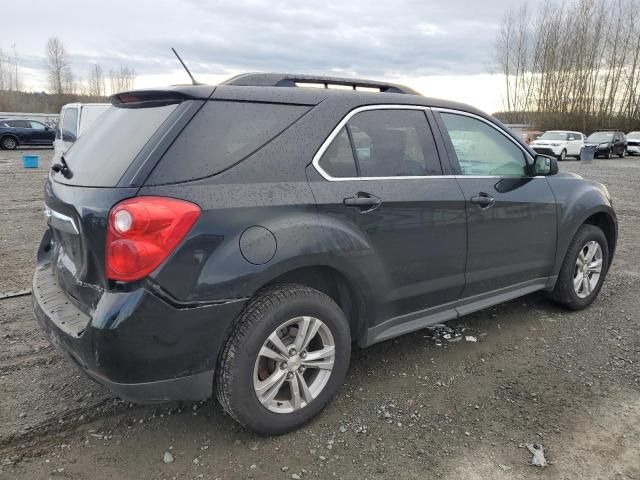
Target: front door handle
{"x":363,"y":201}
{"x":483,"y":200}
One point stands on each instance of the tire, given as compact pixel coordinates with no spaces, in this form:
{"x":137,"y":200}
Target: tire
{"x":8,"y":142}
{"x":241,"y":363}
{"x":562,"y":156}
{"x":565,"y":293}
{"x":623,"y":154}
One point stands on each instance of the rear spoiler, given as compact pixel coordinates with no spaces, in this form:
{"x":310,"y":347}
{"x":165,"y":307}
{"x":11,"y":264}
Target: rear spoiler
{"x":157,"y":98}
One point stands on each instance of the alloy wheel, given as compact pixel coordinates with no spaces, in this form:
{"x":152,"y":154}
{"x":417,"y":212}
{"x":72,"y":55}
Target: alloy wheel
{"x":294,"y":364}
{"x":9,"y":143}
{"x":588,"y":269}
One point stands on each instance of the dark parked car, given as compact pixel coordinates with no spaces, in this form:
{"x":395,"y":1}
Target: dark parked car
{"x":607,"y":143}
{"x":242,"y":237}
{"x":15,"y":132}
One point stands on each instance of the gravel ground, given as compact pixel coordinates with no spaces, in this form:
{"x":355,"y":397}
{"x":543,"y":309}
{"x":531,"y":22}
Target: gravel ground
{"x":419,"y":406}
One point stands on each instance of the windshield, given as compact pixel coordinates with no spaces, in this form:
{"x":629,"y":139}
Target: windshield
{"x":634,"y":136}
{"x":600,"y":137}
{"x":554,"y":136}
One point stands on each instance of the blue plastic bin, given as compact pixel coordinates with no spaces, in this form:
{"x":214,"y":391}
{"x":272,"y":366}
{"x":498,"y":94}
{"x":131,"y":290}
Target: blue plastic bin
{"x":30,"y":161}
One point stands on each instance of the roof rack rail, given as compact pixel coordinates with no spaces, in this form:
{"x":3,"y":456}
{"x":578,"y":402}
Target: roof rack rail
{"x":291,"y":80}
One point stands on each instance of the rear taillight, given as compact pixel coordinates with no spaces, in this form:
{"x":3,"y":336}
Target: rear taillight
{"x":142,"y":232}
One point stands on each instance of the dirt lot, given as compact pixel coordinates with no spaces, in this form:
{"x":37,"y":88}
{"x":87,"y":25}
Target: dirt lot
{"x":415,"y":407}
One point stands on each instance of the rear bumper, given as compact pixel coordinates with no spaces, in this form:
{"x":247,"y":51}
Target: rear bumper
{"x":135,"y":344}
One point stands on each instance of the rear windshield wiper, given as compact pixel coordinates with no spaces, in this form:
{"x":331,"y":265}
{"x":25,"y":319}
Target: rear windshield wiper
{"x":63,"y":168}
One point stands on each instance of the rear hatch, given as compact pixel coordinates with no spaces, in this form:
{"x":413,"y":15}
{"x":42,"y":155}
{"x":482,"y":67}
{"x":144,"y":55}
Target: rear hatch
{"x":105,"y":166}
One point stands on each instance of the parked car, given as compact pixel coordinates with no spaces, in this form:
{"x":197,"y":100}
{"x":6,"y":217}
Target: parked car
{"x":559,"y":143}
{"x":75,"y":119}
{"x":529,"y":136}
{"x":15,"y":132}
{"x":607,"y":143}
{"x":241,"y":238}
{"x":633,"y":143}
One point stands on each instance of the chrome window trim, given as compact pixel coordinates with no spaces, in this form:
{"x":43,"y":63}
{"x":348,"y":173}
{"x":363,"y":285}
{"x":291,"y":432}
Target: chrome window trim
{"x":340,"y":126}
{"x":334,"y":133}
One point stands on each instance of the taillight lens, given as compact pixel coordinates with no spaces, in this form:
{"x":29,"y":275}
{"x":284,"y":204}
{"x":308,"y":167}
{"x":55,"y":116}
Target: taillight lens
{"x":142,"y":232}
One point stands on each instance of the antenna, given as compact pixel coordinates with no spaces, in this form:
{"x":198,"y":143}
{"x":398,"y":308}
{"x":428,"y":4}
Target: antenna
{"x":193,"y":80}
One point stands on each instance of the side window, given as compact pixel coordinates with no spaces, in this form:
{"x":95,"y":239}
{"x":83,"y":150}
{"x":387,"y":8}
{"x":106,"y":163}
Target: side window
{"x":19,"y":124}
{"x":391,"y":143}
{"x":338,"y":160}
{"x":37,"y":125}
{"x":483,"y":150}
{"x":70,"y":124}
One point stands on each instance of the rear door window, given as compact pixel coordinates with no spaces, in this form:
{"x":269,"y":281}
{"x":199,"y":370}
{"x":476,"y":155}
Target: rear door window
{"x":221,"y":135}
{"x":337,"y":160}
{"x":394,"y":143}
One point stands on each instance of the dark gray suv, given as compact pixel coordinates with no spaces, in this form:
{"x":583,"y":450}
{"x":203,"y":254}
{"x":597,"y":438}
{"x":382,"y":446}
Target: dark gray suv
{"x":241,"y":238}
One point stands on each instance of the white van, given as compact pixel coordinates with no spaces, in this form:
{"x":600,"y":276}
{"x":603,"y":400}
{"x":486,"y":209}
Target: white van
{"x":75,"y":118}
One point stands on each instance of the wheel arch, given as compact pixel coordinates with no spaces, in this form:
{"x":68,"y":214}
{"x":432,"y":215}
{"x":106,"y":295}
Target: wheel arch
{"x":605,"y":222}
{"x":335,"y":284}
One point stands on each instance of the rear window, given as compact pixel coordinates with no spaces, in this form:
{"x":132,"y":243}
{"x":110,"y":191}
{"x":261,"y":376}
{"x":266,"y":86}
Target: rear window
{"x":102,"y":155}
{"x":221,"y":135}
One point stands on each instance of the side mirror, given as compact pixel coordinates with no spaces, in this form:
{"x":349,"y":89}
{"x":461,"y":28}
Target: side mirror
{"x":68,"y":137}
{"x":543,"y":165}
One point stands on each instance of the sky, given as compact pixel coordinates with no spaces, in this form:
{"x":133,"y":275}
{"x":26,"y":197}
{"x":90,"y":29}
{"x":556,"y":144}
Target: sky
{"x":440,"y":48}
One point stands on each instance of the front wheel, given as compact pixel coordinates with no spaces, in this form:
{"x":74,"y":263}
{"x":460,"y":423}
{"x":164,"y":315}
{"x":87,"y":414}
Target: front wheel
{"x":562,"y":156}
{"x":583,"y":270}
{"x":284,"y":359}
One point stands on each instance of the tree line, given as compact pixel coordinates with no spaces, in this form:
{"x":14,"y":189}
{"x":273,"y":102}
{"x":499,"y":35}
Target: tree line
{"x":573,"y":65}
{"x":63,"y":84}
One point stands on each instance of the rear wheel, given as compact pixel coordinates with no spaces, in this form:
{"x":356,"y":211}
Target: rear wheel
{"x":8,"y":143}
{"x":583,"y":270}
{"x":284,"y":359}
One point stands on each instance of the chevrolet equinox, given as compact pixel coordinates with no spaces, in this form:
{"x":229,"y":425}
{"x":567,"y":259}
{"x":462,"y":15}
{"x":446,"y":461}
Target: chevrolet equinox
{"x":237,"y":240}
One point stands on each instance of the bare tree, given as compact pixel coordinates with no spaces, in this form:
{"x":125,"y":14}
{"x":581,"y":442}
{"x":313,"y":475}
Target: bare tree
{"x":574,"y":65}
{"x":96,"y":87}
{"x":59,"y":67}
{"x":10,"y":70}
{"x":123,"y":79}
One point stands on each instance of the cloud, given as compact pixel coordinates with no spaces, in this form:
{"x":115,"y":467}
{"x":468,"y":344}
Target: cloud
{"x":404,"y":37}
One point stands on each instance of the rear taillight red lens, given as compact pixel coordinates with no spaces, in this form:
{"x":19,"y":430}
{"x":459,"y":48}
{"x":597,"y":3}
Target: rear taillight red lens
{"x":143,"y":231}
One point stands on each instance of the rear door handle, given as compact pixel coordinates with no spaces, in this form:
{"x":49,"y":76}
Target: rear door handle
{"x":364,"y":201}
{"x":483,"y":200}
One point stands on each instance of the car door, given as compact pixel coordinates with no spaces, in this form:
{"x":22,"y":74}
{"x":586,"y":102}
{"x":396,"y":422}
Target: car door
{"x":575,"y":144}
{"x":40,"y":133}
{"x":511,"y":214}
{"x":379,"y":176}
